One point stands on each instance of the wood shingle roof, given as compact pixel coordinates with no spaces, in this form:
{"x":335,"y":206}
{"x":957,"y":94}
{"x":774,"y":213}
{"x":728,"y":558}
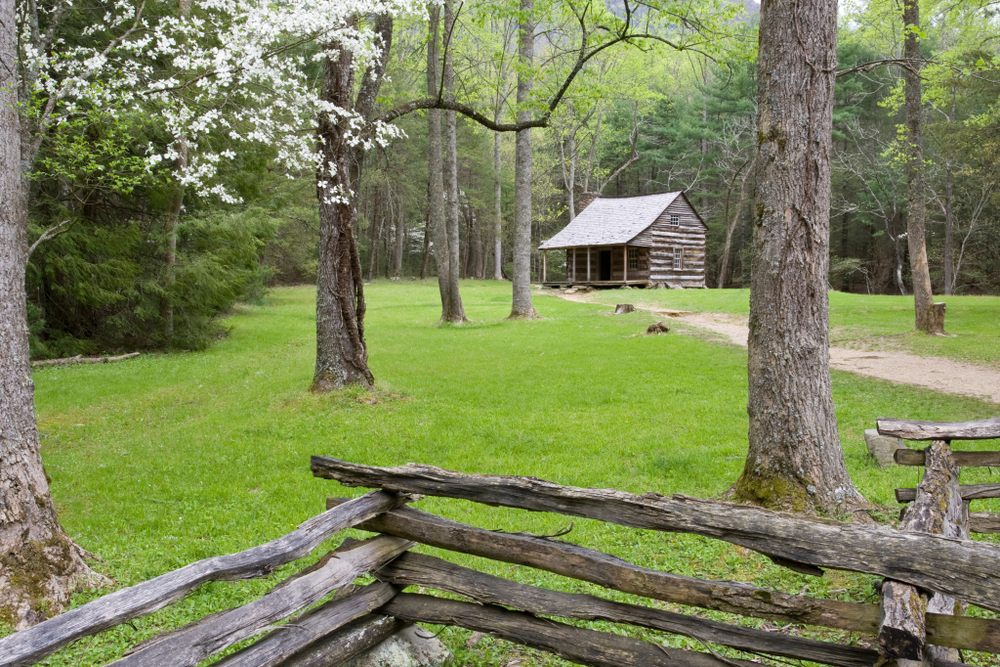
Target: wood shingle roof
{"x":611,"y":221}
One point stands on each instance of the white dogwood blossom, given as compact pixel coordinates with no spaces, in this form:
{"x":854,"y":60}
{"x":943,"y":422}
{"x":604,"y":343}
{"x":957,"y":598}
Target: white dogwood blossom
{"x":239,"y":69}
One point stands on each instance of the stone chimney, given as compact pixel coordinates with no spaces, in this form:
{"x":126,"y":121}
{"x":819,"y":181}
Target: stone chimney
{"x":584,"y":200}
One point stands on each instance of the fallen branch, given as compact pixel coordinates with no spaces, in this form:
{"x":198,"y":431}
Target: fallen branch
{"x":80,"y":359}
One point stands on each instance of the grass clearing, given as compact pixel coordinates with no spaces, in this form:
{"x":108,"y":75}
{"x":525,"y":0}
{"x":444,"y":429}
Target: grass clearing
{"x":166,"y":459}
{"x":859,"y":320}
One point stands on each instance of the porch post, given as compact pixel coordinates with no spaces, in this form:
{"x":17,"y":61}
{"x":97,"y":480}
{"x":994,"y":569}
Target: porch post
{"x":588,"y":264}
{"x":625,"y":263}
{"x":573,"y":278}
{"x":545,"y":264}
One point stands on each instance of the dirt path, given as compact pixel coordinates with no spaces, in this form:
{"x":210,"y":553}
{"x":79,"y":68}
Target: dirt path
{"x":937,"y":373}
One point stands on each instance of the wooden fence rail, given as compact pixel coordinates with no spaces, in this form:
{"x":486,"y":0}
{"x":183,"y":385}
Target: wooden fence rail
{"x":971,"y":573}
{"x":358,"y":617}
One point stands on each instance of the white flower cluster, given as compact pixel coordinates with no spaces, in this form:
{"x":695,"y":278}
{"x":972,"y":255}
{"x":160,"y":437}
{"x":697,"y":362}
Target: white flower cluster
{"x":241,"y":69}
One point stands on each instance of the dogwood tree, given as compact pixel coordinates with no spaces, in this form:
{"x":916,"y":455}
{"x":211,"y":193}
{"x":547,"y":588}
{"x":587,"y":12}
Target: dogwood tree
{"x":239,"y":69}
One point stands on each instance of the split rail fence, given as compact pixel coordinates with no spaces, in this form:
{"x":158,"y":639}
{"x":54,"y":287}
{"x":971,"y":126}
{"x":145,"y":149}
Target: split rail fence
{"x":357,"y":617}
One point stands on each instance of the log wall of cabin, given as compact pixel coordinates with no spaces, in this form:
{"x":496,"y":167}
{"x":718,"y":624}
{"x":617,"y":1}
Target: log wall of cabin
{"x":689,"y":236}
{"x":617,"y":264}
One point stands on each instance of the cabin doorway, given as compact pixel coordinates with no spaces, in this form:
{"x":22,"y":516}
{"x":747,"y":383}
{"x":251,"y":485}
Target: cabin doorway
{"x":604,"y":265}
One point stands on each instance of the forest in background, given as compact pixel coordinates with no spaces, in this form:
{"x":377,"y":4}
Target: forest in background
{"x":137,"y":249}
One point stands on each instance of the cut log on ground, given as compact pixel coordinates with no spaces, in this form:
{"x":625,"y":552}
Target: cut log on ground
{"x":431,"y":572}
{"x":983,"y":429}
{"x":915,"y":457}
{"x":579,"y":645}
{"x":967,"y":492}
{"x":584,"y":564}
{"x":623,"y":308}
{"x":80,"y":359}
{"x":29,"y":646}
{"x":189,"y":646}
{"x":302,"y":632}
{"x":971,"y":573}
{"x":938,"y":509}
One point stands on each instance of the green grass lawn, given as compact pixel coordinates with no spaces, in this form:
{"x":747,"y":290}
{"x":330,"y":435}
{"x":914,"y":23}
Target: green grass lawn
{"x":858,"y":319}
{"x":166,"y":459}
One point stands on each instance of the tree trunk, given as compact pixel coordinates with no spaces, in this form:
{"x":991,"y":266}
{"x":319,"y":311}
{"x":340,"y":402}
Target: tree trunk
{"x":376,"y":236}
{"x":341,"y":353}
{"x":498,"y":208}
{"x":920,"y":274}
{"x":40,"y":567}
{"x":453,"y":310}
{"x":727,"y":247}
{"x":949,"y":231}
{"x":521,"y":303}
{"x":171,"y":222}
{"x":435,"y":169}
{"x":397,"y":259}
{"x":794,"y":460}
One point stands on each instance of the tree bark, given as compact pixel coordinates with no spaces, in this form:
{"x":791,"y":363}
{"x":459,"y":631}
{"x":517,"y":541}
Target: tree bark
{"x":435,"y":168}
{"x":498,"y":208}
{"x":920,"y":275}
{"x":40,"y":566}
{"x":521,"y":306}
{"x":794,"y":460}
{"x":452,"y":311}
{"x":949,"y":231}
{"x":397,"y":259}
{"x":341,"y":352}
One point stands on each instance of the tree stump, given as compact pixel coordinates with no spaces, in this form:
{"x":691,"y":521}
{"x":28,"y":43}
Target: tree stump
{"x":623,"y":308}
{"x":937,"y":318}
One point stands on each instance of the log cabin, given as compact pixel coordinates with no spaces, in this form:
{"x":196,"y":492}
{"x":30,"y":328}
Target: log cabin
{"x":640,"y":241}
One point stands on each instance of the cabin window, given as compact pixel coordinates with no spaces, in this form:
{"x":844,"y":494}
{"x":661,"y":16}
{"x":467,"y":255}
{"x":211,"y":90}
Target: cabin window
{"x":678,"y":263}
{"x":633,"y":258}
{"x":675,"y":219}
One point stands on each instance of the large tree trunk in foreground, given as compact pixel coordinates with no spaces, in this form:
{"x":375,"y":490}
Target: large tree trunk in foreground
{"x":39,"y":565}
{"x":795,"y":460}
{"x":341,"y":353}
{"x":920,"y":274}
{"x":521,"y":306}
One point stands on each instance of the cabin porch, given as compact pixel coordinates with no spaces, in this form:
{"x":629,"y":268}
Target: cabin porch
{"x":601,"y":266}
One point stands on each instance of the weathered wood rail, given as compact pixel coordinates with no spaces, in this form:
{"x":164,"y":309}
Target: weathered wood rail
{"x":358,"y":617}
{"x":939,"y":506}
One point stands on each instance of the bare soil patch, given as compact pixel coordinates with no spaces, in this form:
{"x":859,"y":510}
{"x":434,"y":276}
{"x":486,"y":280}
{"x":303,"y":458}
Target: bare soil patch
{"x":937,"y":373}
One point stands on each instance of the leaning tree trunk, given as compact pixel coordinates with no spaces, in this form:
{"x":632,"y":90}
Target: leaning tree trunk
{"x":454,"y":312}
{"x":521,"y":306}
{"x":40,"y":566}
{"x":794,"y":460}
{"x":920,"y":275}
{"x":341,"y":353}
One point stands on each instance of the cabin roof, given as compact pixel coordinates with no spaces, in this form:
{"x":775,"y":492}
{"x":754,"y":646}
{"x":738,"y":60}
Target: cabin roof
{"x":611,"y":221}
